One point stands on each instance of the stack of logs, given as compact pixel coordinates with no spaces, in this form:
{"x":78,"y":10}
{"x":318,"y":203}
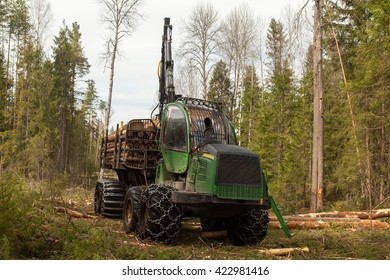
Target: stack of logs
{"x":110,"y":147}
{"x":336,"y":218}
{"x":132,"y":146}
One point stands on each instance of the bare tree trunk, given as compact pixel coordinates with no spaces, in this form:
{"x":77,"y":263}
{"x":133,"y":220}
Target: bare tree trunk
{"x":368,"y":170}
{"x":110,"y":88}
{"x":383,"y":159}
{"x":63,"y":129}
{"x":251,"y":106}
{"x":317,"y":195}
{"x":7,"y":72}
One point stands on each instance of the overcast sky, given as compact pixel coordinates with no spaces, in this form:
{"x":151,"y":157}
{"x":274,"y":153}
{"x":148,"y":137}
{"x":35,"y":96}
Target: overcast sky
{"x":135,"y":81}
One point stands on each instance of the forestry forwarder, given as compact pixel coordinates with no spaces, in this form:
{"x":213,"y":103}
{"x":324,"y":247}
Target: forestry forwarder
{"x":168,"y":170}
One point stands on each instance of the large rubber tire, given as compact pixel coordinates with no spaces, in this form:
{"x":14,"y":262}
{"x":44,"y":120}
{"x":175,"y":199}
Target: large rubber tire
{"x":109,"y":197}
{"x":210,"y":224}
{"x":160,"y":219}
{"x":132,"y":208}
{"x":249,"y":227}
{"x":98,"y":199}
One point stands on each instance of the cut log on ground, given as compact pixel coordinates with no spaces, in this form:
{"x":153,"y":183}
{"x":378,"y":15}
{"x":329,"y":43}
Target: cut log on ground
{"x":375,"y":214}
{"x":325,"y":219}
{"x":370,"y":224}
{"x":326,"y":224}
{"x":300,"y":224}
{"x":283,"y":251}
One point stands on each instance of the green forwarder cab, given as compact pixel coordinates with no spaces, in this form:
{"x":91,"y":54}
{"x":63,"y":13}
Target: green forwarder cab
{"x":213,"y":178}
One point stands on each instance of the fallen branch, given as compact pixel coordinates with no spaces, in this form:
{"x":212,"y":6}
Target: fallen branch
{"x":71,"y":213}
{"x":283,"y":251}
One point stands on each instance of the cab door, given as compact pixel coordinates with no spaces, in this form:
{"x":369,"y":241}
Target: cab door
{"x":174,"y":143}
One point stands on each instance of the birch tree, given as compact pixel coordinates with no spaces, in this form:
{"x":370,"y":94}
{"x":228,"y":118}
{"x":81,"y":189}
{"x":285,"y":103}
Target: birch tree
{"x":199,"y":45}
{"x":120,"y":18}
{"x":238,"y":35}
{"x":41,"y":17}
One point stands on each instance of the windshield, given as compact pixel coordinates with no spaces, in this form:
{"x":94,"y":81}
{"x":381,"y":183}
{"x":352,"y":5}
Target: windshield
{"x":174,"y":131}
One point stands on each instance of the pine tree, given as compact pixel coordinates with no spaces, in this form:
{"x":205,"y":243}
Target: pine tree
{"x":276,"y":119}
{"x":251,"y":95}
{"x":87,"y":133}
{"x":35,"y":129}
{"x":361,"y":28}
{"x":280,"y":86}
{"x":69,"y":64}
{"x":220,"y":86}
{"x":18,"y":27}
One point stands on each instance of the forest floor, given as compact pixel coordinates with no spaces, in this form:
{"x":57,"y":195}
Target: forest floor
{"x":334,"y":243}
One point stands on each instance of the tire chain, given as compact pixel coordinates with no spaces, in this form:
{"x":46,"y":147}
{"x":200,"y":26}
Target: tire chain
{"x":163,"y":218}
{"x":250,"y":227}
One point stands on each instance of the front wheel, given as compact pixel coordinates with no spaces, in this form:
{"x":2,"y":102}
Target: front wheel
{"x":160,"y":219}
{"x":249,"y":227}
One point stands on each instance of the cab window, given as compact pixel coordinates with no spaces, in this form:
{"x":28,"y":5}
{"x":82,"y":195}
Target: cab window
{"x":174,"y":134}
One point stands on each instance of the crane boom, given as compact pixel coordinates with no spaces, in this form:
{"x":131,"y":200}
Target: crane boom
{"x":166,"y":84}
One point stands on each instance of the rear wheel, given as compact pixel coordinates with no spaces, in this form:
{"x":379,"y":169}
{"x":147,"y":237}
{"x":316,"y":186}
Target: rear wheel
{"x":98,"y":198}
{"x":249,"y":227}
{"x":131,"y":208}
{"x":109,"y":197}
{"x":160,"y":219}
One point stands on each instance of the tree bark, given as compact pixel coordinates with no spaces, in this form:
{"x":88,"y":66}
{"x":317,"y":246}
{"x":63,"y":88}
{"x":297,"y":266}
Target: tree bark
{"x":317,"y":194}
{"x":110,"y":88}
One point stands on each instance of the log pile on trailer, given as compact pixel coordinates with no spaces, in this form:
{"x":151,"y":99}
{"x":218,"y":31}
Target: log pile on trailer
{"x":133,"y":147}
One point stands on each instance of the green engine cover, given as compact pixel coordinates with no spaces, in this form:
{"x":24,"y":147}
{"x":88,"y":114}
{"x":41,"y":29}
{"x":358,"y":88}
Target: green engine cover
{"x":228,"y":172}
